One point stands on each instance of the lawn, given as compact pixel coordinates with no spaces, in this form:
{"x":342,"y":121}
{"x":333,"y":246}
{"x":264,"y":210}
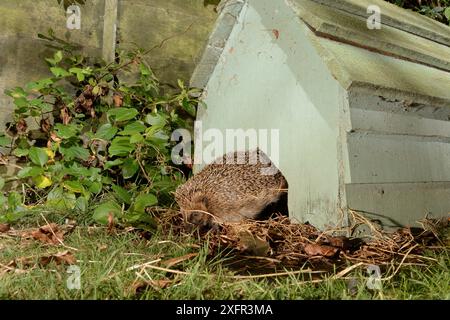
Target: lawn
{"x":124,"y":264}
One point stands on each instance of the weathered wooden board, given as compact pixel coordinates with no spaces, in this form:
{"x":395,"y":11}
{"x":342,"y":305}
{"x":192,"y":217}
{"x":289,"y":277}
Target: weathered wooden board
{"x":351,"y":28}
{"x":380,"y":121}
{"x":383,"y":158}
{"x":398,"y":102}
{"x":400,"y":204}
{"x":392,"y":15}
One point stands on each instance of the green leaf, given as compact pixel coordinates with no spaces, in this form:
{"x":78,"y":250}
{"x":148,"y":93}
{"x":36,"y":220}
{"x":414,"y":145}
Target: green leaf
{"x":75,"y":70}
{"x":447,"y":13}
{"x":133,"y":128}
{"x":80,"y":77}
{"x":107,"y":180}
{"x":58,"y":56}
{"x":143,"y":201}
{"x":38,"y":156}
{"x":14,"y":200}
{"x":51,"y":61}
{"x":145,"y":71}
{"x":39,"y":85}
{"x":102,"y":212}
{"x":2,"y":183}
{"x":2,"y":201}
{"x":80,"y":73}
{"x":76,"y":171}
{"x":122,"y":194}
{"x":59,"y":72}
{"x":156,"y":120}
{"x":129,"y":168}
{"x":30,"y":172}
{"x":159,"y":138}
{"x":96,"y":90}
{"x":66,"y":131}
{"x":5,"y":141}
{"x":120,"y":146}
{"x":106,"y":132}
{"x":36,"y":102}
{"x":16,"y":93}
{"x":180,"y":83}
{"x":123,"y":114}
{"x":92,"y":82}
{"x":188,"y":107}
{"x":42,"y":182}
{"x":46,"y":107}
{"x":74,"y":186}
{"x":141,"y":221}
{"x":136,"y":138}
{"x":81,"y":204}
{"x":21,"y":102}
{"x":75,"y":152}
{"x":61,"y":200}
{"x":95,"y":187}
{"x":20,"y":152}
{"x":110,"y":164}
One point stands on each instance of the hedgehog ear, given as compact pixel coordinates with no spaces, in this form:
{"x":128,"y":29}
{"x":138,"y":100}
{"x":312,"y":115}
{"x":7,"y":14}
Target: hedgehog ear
{"x":201,"y":198}
{"x":205,"y":201}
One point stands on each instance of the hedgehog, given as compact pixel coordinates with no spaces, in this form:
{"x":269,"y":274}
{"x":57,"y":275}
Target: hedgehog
{"x":235,"y":187}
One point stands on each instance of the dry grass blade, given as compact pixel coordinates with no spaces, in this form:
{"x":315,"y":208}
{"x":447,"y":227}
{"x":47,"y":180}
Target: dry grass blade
{"x":290,"y":245}
{"x":143,"y":265}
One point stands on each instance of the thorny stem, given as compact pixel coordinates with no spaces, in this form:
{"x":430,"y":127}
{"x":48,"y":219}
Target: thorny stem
{"x":138,"y":159}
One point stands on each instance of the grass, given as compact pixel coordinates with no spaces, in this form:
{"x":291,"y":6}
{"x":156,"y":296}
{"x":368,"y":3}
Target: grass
{"x":105,"y":259}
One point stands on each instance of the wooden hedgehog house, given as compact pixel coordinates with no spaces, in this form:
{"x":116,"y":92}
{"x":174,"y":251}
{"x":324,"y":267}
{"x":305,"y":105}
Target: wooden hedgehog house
{"x":363,"y":113}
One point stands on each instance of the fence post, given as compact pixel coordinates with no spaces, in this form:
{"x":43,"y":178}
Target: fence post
{"x":109,"y":30}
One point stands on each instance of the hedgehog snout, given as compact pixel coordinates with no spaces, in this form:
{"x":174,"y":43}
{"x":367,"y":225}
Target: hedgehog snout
{"x":199,"y":219}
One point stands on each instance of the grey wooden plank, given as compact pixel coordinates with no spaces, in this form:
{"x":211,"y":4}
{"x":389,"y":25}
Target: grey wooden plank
{"x":349,"y":28}
{"x":383,"y":158}
{"x":397,"y":17}
{"x":400,"y":204}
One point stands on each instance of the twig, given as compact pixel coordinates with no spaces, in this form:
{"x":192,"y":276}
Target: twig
{"x":400,"y":265}
{"x":158,"y":46}
{"x":137,"y":266}
{"x":170,"y":270}
{"x":347,"y":270}
{"x":276,"y":274}
{"x":53,"y":232}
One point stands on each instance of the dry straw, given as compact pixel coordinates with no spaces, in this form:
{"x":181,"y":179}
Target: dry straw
{"x":264,"y":246}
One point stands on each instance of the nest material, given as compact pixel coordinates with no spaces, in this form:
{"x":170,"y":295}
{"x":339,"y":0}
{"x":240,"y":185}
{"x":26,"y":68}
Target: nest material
{"x":278,"y":243}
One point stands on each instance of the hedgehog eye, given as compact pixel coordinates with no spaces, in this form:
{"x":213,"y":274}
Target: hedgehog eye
{"x":195,"y":217}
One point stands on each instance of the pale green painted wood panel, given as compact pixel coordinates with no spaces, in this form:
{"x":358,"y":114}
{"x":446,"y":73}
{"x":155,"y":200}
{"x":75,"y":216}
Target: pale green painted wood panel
{"x":381,"y":121}
{"x":400,"y":204}
{"x":332,"y":23}
{"x":383,"y":158}
{"x":392,"y":15}
{"x":397,"y":102}
{"x":353,"y":66}
{"x":262,"y":81}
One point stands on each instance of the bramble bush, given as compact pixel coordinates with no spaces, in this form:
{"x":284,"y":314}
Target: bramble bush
{"x":83,"y":136}
{"x":436,"y":9}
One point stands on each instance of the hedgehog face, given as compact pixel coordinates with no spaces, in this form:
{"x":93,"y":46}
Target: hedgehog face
{"x":199,"y":219}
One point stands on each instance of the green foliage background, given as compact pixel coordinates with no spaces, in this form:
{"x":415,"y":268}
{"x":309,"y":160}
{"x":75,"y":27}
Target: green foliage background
{"x":435,"y":9}
{"x":83,"y":136}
